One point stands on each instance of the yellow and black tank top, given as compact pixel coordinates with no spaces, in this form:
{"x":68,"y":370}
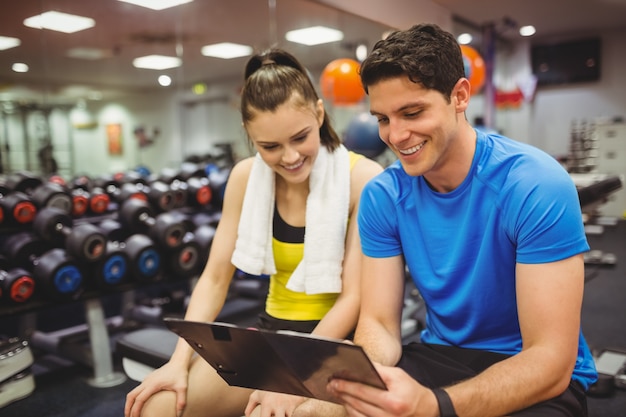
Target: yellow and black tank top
{"x":288,"y":248}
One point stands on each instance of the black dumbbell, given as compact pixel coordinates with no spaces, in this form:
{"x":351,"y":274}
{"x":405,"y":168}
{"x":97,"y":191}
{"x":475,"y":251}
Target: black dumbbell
{"x":143,"y":257}
{"x":186,"y":260}
{"x":217,"y":181}
{"x":17,"y":209}
{"x":146,"y":263}
{"x":165,"y":229}
{"x":23,"y":181}
{"x":161,"y":196}
{"x":203,"y":226}
{"x":54,"y":271}
{"x":83,"y":241}
{"x":204,"y":235}
{"x":42,"y":193}
{"x":16,"y":284}
{"x":51,"y":194}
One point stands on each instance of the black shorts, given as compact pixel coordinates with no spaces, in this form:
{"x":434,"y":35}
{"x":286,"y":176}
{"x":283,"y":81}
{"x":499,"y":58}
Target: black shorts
{"x":267,"y":322}
{"x":439,"y":366}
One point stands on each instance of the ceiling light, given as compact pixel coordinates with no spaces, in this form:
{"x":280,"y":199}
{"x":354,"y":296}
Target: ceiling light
{"x":164,"y":80}
{"x":226,"y":50}
{"x":157,"y":4}
{"x":156,"y":62}
{"x":61,"y":22}
{"x":527,"y":30}
{"x":20,"y":67}
{"x":361,"y":52}
{"x":314,"y":35}
{"x":7,"y":42}
{"x":89,"y":53}
{"x":464,"y":39}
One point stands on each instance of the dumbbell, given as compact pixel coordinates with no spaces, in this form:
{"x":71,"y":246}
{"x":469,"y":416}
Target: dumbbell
{"x":16,"y":284}
{"x":217,"y":181}
{"x":48,"y":194}
{"x":54,"y":271}
{"x":192,"y":180}
{"x":143,"y":257}
{"x":202,"y":231}
{"x":17,"y":209}
{"x":204,"y":236}
{"x":23,"y":181}
{"x":184,"y":261}
{"x":83,"y":241}
{"x":162,"y":196}
{"x":51,"y":194}
{"x":194,"y":192}
{"x":118,"y":192}
{"x":97,"y":200}
{"x":166,"y":231}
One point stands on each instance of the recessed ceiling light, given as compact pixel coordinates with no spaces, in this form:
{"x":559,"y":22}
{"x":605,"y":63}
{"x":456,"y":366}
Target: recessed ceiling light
{"x":361,"y":52}
{"x":157,"y":4}
{"x":226,"y":50}
{"x":464,"y":39}
{"x":527,"y":30}
{"x":20,"y":67}
{"x":157,"y":62}
{"x":314,"y":35}
{"x":61,"y":22}
{"x":7,"y":42}
{"x":165,"y":80}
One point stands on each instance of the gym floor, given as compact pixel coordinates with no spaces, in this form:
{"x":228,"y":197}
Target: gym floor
{"x":62,"y":389}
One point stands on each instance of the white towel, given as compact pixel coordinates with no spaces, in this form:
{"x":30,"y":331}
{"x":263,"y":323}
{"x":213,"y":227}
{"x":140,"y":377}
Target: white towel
{"x":326,"y":224}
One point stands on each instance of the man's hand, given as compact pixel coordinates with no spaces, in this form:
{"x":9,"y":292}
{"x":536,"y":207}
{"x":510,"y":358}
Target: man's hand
{"x":404,"y":396}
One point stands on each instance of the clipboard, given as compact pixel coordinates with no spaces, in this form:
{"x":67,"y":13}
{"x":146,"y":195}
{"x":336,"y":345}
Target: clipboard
{"x":280,"y":361}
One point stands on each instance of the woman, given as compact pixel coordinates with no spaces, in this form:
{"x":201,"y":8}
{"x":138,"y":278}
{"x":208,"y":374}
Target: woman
{"x":301,"y":176}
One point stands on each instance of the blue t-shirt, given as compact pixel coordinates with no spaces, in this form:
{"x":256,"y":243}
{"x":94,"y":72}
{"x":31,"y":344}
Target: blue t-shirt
{"x":517,"y":204}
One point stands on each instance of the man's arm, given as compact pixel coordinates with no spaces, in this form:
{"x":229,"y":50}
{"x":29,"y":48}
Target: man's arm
{"x":382,"y":300}
{"x":549,"y":299}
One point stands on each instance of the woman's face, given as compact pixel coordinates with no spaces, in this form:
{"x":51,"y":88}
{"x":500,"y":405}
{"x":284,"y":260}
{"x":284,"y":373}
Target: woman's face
{"x":288,"y":139}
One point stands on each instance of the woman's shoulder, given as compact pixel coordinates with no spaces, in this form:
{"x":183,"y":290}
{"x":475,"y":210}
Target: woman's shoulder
{"x":364,"y":168}
{"x":241,"y":170}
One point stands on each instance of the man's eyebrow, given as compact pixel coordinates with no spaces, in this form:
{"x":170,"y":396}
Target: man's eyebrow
{"x":402,"y":108}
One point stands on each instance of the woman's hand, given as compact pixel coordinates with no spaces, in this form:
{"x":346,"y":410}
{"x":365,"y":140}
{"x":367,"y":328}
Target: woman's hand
{"x":166,"y":378}
{"x":266,"y":404}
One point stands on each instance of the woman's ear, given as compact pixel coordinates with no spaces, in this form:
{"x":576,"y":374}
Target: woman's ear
{"x":319,"y":111}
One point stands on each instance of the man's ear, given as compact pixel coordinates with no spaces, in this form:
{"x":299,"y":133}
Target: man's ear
{"x":461,"y":94}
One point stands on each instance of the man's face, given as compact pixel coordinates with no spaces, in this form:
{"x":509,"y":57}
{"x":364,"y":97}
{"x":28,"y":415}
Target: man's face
{"x":418,"y":124}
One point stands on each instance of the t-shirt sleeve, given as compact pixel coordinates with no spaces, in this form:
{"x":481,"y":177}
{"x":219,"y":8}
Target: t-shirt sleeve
{"x":377,"y":220}
{"x":548,"y":226}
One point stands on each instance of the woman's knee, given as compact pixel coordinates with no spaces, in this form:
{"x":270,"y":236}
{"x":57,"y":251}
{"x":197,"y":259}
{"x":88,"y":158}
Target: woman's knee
{"x":315,"y":408}
{"x":161,"y":404}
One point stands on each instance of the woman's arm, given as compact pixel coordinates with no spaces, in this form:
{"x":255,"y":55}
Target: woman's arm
{"x":210,"y":291}
{"x":206,"y":300}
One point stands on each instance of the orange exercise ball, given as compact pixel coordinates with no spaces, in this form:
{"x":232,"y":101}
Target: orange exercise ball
{"x":341,"y":83}
{"x":474,"y":68}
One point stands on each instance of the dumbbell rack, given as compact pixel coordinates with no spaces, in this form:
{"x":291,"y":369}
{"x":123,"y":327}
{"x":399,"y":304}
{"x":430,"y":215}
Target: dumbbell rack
{"x":97,"y":326}
{"x":96,"y":331}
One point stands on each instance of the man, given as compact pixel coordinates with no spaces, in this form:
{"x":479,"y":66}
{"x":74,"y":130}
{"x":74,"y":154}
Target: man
{"x":492,"y":234}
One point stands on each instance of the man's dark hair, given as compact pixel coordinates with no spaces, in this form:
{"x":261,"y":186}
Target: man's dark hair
{"x":425,"y":53}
